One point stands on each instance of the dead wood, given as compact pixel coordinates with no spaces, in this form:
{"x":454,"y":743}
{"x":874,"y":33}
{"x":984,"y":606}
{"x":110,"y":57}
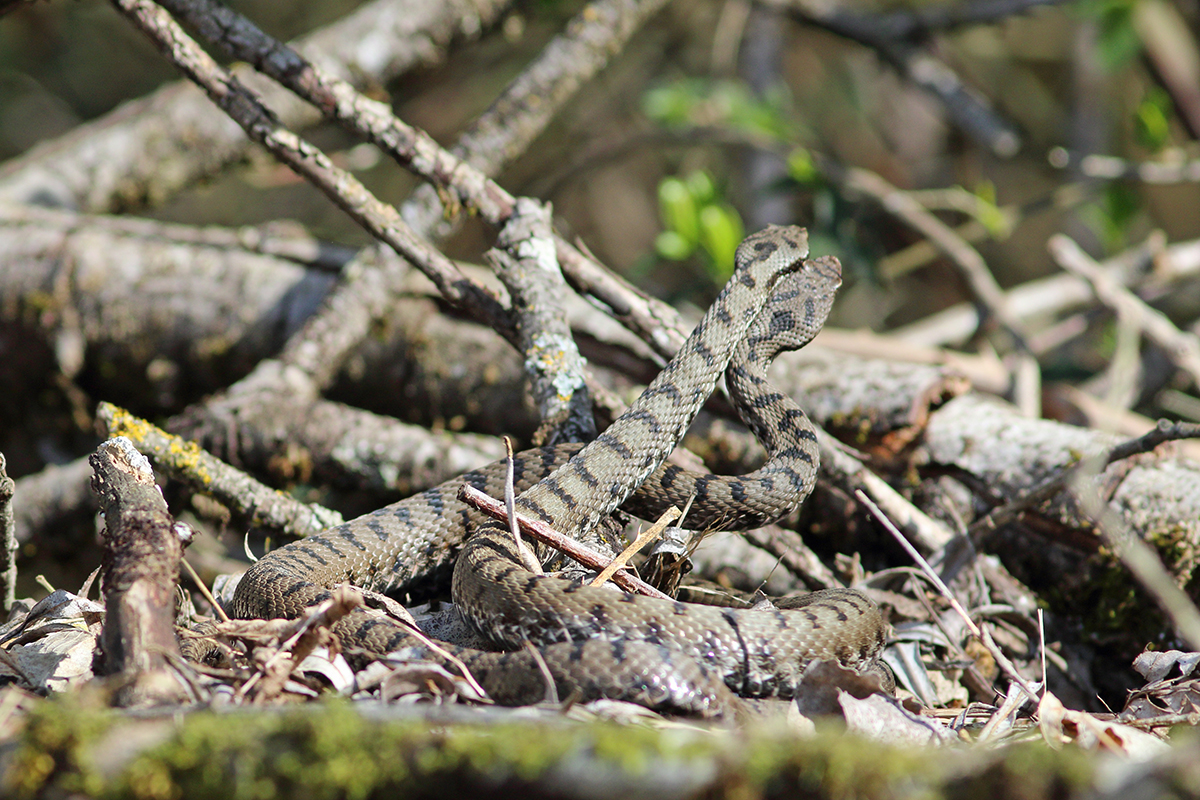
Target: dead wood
{"x":259,"y":504}
{"x":148,"y":149}
{"x":999,"y":455}
{"x":8,"y":538}
{"x":524,"y":259}
{"x":143,"y":549}
{"x":528,"y":104}
{"x":51,"y":497}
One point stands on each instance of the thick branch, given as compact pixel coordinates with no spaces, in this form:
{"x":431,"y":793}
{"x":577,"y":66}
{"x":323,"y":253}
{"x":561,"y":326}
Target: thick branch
{"x":142,"y":555}
{"x":454,"y":175}
{"x":148,"y":149}
{"x":379,"y":219}
{"x":8,"y":539}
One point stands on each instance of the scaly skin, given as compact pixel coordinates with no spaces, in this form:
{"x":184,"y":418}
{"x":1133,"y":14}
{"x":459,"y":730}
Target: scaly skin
{"x":597,"y":642}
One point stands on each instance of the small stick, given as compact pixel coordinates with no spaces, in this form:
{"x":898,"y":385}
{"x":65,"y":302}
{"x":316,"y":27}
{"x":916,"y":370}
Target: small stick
{"x":345,"y":598}
{"x":686,"y":508}
{"x":8,"y":539}
{"x":1006,"y":710}
{"x":1165,"y":721}
{"x":528,"y":559}
{"x":980,"y":634}
{"x":1042,"y":642}
{"x":921,"y":562}
{"x":420,"y":636}
{"x":544,"y":668}
{"x":535,"y":529}
{"x":203,"y":587}
{"x":668,"y":516}
{"x":976,"y":533}
{"x":304,"y":625}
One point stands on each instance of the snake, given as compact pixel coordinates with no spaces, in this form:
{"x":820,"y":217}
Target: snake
{"x":594,"y":641}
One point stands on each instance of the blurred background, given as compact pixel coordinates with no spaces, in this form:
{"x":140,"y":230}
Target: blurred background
{"x":1010,"y":121}
{"x":721,"y":116}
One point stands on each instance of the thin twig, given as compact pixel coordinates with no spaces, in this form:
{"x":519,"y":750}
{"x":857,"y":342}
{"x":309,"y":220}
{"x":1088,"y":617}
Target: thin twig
{"x":528,"y":559}
{"x":8,"y":539}
{"x":344,"y":599}
{"x":379,"y":219}
{"x":1172,"y":165}
{"x":1164,"y":721}
{"x":149,"y":151}
{"x":1042,"y":642}
{"x":853,"y":475}
{"x":1142,"y":561}
{"x":544,"y":668}
{"x":651,"y":533}
{"x":536,"y":529}
{"x":974,"y":538}
{"x":1181,"y":347}
{"x":1009,"y":707}
{"x":895,"y":39}
{"x":282,"y":651}
{"x":437,"y":648}
{"x":522,"y":111}
{"x":970,"y":263}
{"x":203,"y":587}
{"x":980,"y":633}
{"x":920,"y":559}
{"x":461,"y":175}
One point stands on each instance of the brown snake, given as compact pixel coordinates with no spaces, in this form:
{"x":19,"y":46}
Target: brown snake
{"x":594,"y":641}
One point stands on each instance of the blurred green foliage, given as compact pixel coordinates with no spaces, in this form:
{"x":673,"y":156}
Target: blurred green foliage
{"x":1152,"y":120}
{"x":1118,"y":43}
{"x":698,"y":102}
{"x":1113,"y":214}
{"x":698,"y":221}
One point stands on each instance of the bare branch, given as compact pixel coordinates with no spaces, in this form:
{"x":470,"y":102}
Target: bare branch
{"x":143,"y":552}
{"x":185,"y":460}
{"x":453,"y":175}
{"x":8,"y":538}
{"x":546,"y":535}
{"x":503,"y":132}
{"x":149,"y":149}
{"x":261,"y":125}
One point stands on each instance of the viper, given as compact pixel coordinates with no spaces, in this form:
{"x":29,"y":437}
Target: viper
{"x":596,"y":641}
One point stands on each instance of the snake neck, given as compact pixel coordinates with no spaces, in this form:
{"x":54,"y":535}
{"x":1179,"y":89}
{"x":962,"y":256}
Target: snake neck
{"x":599,"y":478}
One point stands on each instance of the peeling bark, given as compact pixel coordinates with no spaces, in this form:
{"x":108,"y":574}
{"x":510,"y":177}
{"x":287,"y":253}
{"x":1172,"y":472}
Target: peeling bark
{"x":142,"y":555}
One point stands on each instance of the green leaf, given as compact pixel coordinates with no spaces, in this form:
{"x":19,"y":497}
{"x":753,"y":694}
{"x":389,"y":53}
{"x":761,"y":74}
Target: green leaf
{"x":701,"y":185}
{"x":669,"y":105}
{"x":720,"y":233}
{"x":706,"y":103}
{"x":1152,"y":120}
{"x":1114,"y":214}
{"x":677,"y":206}
{"x":671,"y":246}
{"x":1118,"y":42}
{"x":801,"y":167}
{"x":989,"y":214}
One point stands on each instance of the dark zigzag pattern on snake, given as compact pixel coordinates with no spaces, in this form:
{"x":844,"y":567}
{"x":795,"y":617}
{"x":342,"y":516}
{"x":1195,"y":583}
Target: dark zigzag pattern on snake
{"x":597,"y":642}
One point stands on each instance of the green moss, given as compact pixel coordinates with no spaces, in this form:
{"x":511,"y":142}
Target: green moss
{"x":52,"y":748}
{"x":834,"y":765}
{"x":1176,"y":547}
{"x":1112,"y":604}
{"x":1029,"y":771}
{"x":334,"y":751}
{"x":315,"y":752}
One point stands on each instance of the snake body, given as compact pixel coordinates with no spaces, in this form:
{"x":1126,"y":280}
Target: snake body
{"x":595,"y":641}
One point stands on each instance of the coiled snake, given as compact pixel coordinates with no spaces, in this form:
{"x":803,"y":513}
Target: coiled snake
{"x":597,"y":642}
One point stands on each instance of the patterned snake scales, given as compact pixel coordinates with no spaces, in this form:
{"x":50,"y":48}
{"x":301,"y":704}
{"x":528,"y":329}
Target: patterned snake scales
{"x":598,"y":642}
